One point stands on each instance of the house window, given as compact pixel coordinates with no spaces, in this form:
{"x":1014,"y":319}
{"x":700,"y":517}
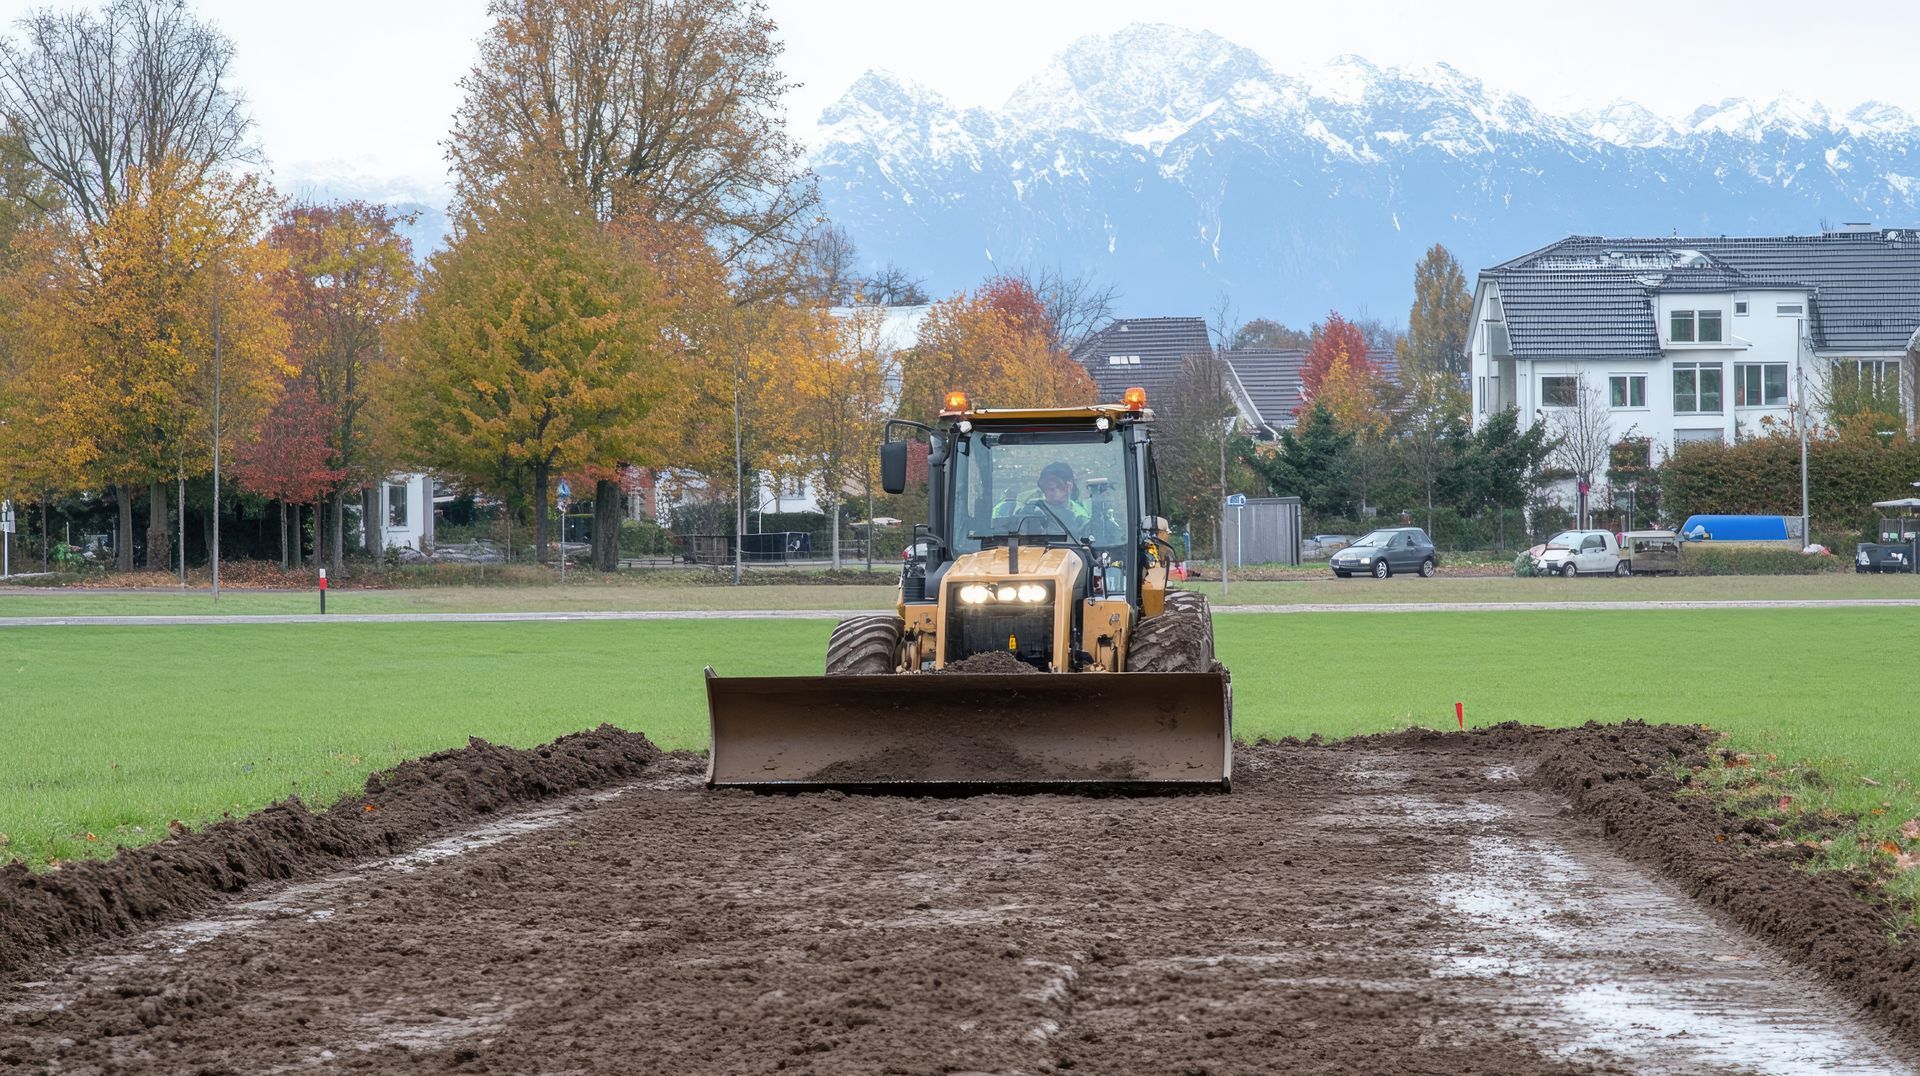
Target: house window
{"x":396,"y":504}
{"x":1627,"y":390}
{"x":1740,"y":308}
{"x":1559,"y":391}
{"x":1483,"y":395}
{"x":1696,"y":388}
{"x":1694,"y":326}
{"x":1760,"y":384}
{"x":1789,"y":310}
{"x":1123,"y":360}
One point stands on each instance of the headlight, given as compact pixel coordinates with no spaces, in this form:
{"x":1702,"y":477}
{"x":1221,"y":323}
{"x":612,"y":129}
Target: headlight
{"x":1007,"y":592}
{"x":1032,"y":592}
{"x":1366,"y":560}
{"x":974,"y":594}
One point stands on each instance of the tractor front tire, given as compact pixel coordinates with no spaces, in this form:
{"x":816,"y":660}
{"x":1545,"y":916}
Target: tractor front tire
{"x":1194,"y":602}
{"x":1180,"y":639}
{"x":865,"y":646}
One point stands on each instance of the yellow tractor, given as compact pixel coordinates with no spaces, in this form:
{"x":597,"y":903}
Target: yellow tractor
{"x":1035,"y":643}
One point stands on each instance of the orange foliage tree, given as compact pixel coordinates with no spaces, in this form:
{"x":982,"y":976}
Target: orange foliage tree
{"x":997,"y":345}
{"x":123,"y":316}
{"x":348,"y":282}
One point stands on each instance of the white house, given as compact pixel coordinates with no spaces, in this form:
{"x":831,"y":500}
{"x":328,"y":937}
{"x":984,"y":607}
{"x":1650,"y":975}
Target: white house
{"x":405,"y":507}
{"x":1703,"y":339}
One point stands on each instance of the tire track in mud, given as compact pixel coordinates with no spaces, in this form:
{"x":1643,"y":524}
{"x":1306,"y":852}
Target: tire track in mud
{"x":1403,"y":905}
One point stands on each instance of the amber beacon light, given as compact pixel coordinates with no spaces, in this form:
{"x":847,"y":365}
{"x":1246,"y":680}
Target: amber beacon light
{"x":1135,"y":399}
{"x":956,"y":401}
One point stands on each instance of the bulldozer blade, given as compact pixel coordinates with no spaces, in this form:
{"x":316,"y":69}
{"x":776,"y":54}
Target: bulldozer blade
{"x":970,"y":732}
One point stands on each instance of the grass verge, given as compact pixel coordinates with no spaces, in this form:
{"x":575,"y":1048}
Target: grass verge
{"x":112,"y":732}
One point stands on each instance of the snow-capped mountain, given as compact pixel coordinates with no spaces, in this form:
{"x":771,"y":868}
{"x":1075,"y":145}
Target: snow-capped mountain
{"x":1182,"y":166}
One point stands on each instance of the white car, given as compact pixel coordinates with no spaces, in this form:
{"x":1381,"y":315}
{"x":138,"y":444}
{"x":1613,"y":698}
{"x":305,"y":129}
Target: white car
{"x":1572,"y":553}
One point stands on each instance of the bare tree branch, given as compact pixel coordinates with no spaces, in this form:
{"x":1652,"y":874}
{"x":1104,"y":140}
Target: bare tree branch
{"x":141,"y":86}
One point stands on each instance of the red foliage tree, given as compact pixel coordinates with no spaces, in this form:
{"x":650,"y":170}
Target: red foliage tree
{"x":1016,"y":301}
{"x":1332,"y":339}
{"x":289,"y":461}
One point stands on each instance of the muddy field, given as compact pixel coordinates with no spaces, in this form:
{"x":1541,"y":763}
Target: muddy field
{"x":1508,"y":901}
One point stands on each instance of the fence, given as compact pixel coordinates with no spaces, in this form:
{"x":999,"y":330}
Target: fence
{"x":1264,"y":530}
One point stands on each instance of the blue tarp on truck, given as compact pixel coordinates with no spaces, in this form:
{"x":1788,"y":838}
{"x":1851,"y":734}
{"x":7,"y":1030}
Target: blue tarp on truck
{"x":1735,"y":529}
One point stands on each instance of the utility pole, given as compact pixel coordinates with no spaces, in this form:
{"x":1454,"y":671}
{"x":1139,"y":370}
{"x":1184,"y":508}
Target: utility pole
{"x":180,"y":512}
{"x":739,"y":495}
{"x":1806,"y":416}
{"x":1220,"y":528}
{"x":215,"y":547}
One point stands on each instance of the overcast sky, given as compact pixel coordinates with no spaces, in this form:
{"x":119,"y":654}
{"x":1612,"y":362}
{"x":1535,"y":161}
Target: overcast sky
{"x":367,"y":86}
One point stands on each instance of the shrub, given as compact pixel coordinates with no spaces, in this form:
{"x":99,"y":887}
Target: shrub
{"x":1523,"y":565}
{"x":644,"y":538}
{"x":1698,"y":558}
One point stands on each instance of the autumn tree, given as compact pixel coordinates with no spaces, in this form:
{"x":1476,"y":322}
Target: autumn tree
{"x":127,"y":315}
{"x":1333,"y":339}
{"x":288,"y":461}
{"x":530,"y":355}
{"x":840,"y":395}
{"x":667,"y":111}
{"x":1075,"y":305}
{"x":28,"y":463}
{"x":1265,"y":332}
{"x":997,"y":345}
{"x":1432,"y":359}
{"x":1442,"y":315}
{"x":1193,"y":433}
{"x":348,"y":280}
{"x":137,"y":91}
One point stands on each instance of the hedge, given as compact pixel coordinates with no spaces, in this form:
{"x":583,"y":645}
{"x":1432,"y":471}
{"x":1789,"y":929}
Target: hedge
{"x":1698,"y":558}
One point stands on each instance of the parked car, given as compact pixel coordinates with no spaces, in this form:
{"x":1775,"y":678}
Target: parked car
{"x":1324,"y":545}
{"x":1381,"y":553}
{"x":1572,"y":553}
{"x":1651,"y":552}
{"x":1883,"y":557}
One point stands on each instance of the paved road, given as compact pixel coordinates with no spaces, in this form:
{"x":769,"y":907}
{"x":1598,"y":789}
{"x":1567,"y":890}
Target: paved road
{"x":837,"y":614}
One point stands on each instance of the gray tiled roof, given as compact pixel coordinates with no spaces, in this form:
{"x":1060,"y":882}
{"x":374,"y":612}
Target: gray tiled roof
{"x":1270,"y":379}
{"x":1270,"y":382}
{"x":1162,"y":345}
{"x":1589,"y":296}
{"x":1564,"y":313}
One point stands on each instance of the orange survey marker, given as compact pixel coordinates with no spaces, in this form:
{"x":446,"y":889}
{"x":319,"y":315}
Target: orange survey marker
{"x":1460,"y":715}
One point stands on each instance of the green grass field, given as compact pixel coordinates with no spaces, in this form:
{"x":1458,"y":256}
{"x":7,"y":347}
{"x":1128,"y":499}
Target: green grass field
{"x":632,"y":592}
{"x":584,"y":597}
{"x":114,"y":731}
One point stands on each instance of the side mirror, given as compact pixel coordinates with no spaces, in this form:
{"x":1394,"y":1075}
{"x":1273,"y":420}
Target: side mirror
{"x":893,"y":466}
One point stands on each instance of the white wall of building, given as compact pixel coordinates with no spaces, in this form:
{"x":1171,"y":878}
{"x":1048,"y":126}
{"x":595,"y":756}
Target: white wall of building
{"x":406,"y":512}
{"x":1766,"y":336}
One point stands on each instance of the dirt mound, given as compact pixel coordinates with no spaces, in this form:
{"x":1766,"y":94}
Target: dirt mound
{"x":1833,"y":922}
{"x":186,"y":872}
{"x":992,"y":661}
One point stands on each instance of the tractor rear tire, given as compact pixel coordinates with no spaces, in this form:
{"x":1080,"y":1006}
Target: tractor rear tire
{"x":1194,"y":602}
{"x":865,"y":646}
{"x":1178,"y":640}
